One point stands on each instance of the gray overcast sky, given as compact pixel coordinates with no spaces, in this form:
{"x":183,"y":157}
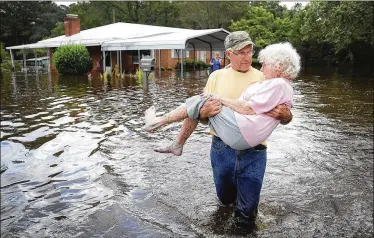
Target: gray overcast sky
{"x":288,"y":4}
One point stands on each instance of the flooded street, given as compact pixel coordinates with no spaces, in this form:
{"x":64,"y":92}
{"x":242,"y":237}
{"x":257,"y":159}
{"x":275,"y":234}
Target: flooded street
{"x":76,"y":163}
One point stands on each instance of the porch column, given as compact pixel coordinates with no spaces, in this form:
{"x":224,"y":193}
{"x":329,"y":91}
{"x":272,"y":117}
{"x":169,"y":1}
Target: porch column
{"x":104,"y":63}
{"x":49,"y":59}
{"x":159,"y":59}
{"x":182,"y":51}
{"x":139,"y":58}
{"x":120,"y":61}
{"x":111,"y":61}
{"x":24,"y":60}
{"x":12,"y":59}
{"x":36,"y":62}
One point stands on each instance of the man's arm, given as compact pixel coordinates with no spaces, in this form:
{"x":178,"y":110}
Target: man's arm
{"x":282,"y":113}
{"x":210,"y":108}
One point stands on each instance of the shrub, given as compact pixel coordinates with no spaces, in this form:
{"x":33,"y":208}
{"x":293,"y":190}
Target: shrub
{"x":6,"y":66}
{"x":72,"y":60}
{"x":5,"y":62}
{"x":189,"y":64}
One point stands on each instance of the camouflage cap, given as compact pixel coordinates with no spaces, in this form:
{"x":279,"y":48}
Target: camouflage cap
{"x":237,"y":40}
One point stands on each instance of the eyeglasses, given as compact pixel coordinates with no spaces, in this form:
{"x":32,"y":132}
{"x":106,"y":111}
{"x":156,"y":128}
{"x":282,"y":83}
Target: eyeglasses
{"x":243,"y":54}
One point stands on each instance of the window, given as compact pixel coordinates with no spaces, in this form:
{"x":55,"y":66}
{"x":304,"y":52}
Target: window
{"x":176,"y":53}
{"x":135,"y":58}
{"x":203,"y":56}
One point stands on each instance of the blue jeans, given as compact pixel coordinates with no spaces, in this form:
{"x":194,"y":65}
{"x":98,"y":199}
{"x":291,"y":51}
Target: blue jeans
{"x":238,"y":176}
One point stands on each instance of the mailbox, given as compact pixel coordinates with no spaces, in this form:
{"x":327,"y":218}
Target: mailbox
{"x":147,"y":64}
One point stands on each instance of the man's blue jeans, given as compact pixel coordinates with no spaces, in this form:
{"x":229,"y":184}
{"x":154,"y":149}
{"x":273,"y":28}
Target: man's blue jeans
{"x":238,"y":176}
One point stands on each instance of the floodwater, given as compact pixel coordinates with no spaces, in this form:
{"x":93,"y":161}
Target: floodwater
{"x":76,"y":163}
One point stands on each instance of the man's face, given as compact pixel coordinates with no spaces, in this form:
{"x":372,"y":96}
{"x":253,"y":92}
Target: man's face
{"x":241,"y":60}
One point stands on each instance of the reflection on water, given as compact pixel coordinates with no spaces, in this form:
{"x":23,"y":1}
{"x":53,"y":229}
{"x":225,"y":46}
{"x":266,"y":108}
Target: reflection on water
{"x":75,"y":161}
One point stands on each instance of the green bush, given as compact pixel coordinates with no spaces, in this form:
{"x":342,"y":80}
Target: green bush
{"x":72,"y":60}
{"x":6,"y":66}
{"x":5,"y":62}
{"x":190,"y":63}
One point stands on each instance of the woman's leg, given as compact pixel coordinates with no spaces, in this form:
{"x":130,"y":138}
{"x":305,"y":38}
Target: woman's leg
{"x":176,"y":147}
{"x":189,"y":109}
{"x":152,"y":122}
{"x":194,"y":105}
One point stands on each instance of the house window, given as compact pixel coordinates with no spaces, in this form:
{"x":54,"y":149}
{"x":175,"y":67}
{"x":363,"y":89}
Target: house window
{"x":176,"y":53}
{"x":203,"y":56}
{"x":135,"y":56}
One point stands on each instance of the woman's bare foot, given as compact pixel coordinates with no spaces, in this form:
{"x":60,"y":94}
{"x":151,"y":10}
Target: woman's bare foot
{"x":157,"y":122}
{"x":151,"y":121}
{"x":174,"y":148}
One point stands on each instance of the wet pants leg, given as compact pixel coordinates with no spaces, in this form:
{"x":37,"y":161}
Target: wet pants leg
{"x":238,"y":175}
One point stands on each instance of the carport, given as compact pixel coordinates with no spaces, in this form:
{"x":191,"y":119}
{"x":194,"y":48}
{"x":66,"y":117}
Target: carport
{"x":184,"y":40}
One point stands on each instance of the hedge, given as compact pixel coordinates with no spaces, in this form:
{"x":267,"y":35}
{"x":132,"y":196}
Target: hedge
{"x":72,"y":60}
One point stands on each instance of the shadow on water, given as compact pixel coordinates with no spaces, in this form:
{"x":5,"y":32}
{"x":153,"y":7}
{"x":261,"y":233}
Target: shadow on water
{"x":76,"y":162}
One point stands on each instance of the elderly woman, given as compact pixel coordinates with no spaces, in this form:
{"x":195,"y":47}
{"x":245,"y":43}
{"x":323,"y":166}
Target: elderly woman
{"x":241,"y":124}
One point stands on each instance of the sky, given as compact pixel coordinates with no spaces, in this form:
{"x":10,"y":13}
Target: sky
{"x":288,"y":4}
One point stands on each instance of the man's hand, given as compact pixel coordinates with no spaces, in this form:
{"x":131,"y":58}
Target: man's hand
{"x":210,"y":108}
{"x":282,"y":113}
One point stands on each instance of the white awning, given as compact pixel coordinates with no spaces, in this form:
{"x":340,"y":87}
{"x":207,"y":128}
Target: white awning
{"x":127,"y":36}
{"x":189,"y":39}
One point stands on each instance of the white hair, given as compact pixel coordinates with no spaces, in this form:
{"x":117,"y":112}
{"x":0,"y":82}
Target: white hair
{"x":282,"y":58}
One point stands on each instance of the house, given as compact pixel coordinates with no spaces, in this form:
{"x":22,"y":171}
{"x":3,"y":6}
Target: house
{"x":123,"y":44}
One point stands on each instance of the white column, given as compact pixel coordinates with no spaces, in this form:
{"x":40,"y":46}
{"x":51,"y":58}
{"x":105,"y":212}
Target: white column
{"x":117,"y":59}
{"x":12,"y":59}
{"x":120,"y":61}
{"x":182,"y":51}
{"x":36,"y":63}
{"x":159,"y":60}
{"x":104,"y":63}
{"x":139,"y":58}
{"x":24,"y":60}
{"x":111,"y":61}
{"x":49,"y":59}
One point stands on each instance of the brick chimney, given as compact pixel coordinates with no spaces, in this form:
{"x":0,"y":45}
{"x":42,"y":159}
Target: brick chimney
{"x":72,"y":24}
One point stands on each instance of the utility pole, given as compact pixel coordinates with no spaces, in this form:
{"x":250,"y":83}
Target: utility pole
{"x":114,"y":16}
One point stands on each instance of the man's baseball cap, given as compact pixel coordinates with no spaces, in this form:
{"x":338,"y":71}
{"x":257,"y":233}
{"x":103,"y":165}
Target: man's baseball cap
{"x":237,"y":40}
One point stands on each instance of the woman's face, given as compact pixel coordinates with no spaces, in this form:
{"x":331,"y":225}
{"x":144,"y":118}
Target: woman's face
{"x":268,"y":71}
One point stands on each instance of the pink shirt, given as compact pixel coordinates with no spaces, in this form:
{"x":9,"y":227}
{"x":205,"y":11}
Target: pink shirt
{"x":262,"y":97}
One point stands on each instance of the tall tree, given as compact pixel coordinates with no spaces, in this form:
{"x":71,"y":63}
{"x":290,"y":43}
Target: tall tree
{"x":27,"y":22}
{"x":208,"y":15}
{"x":263,"y":26}
{"x":347,"y":26}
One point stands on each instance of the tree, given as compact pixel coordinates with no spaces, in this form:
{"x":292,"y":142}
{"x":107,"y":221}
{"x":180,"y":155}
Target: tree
{"x":348,"y":27}
{"x":27,"y":22}
{"x":208,"y":15}
{"x":272,"y":6}
{"x":59,"y":30}
{"x":258,"y":22}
